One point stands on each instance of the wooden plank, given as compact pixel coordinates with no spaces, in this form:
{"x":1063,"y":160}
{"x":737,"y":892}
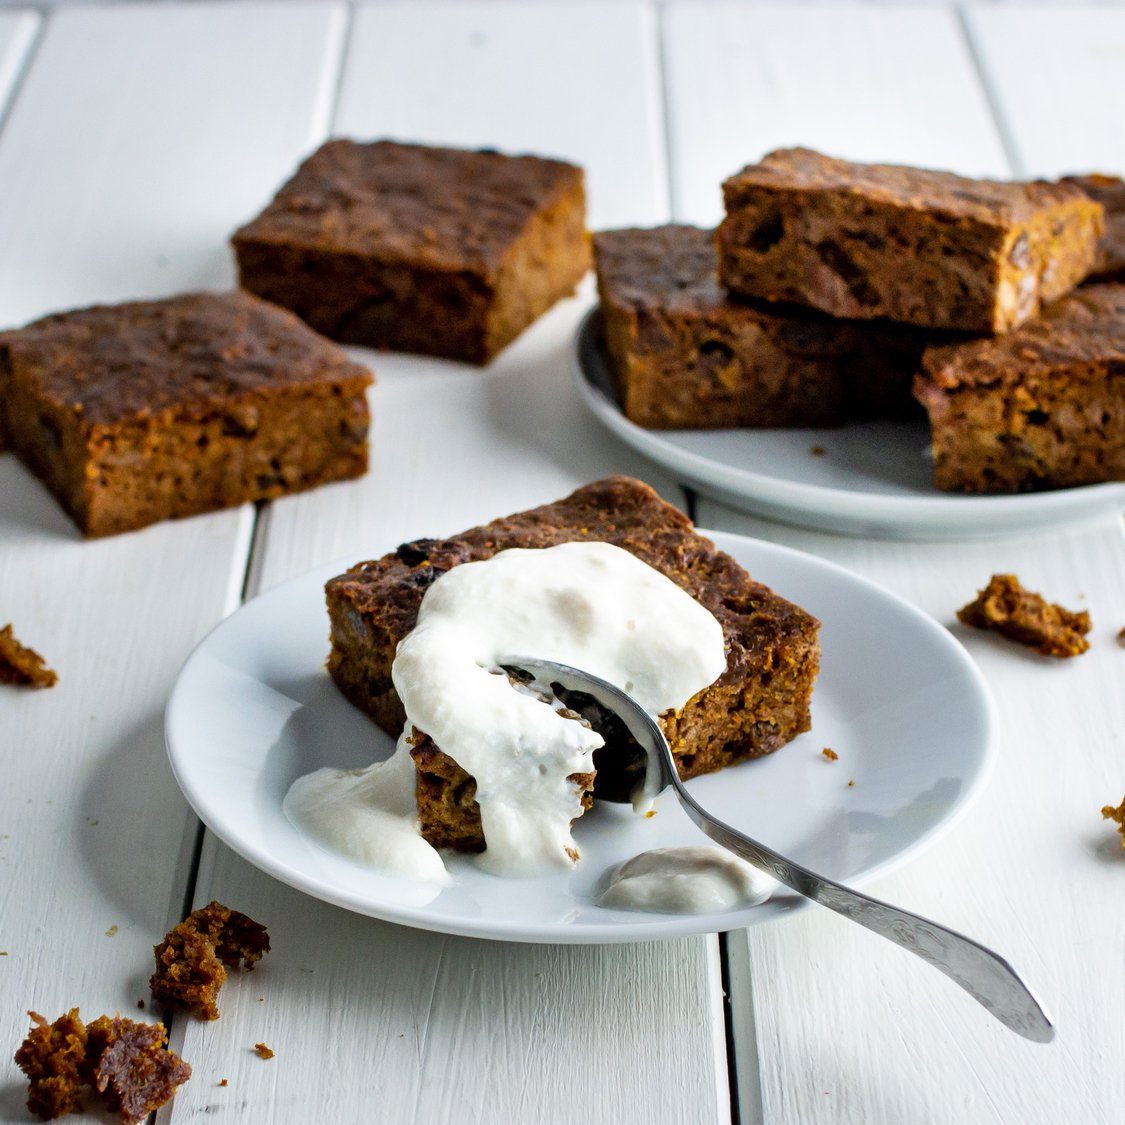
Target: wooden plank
{"x":1075,"y":121}
{"x":140,"y":136}
{"x":867,"y":82}
{"x":576,"y":81}
{"x":1030,"y":868}
{"x":453,"y":445}
{"x":361,"y":1013}
{"x":164,"y":225}
{"x":436,"y":1028}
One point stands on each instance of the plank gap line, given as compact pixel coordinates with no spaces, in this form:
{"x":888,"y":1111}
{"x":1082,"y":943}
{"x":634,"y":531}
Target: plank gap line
{"x":728,"y":1021}
{"x":665,"y":108}
{"x":999,"y":121}
{"x":26,"y":54}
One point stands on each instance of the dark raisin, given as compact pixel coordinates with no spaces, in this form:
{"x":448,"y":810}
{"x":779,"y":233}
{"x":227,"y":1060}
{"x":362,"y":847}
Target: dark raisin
{"x":1036,"y":417}
{"x":868,"y":238}
{"x":242,"y":421}
{"x":714,"y":354}
{"x":837,"y":260}
{"x":741,"y":605}
{"x":425,"y":576}
{"x":415,"y":552}
{"x":768,"y":233}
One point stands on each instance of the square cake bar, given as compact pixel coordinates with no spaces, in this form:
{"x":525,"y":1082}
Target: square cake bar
{"x":413,"y":248}
{"x":922,"y":247}
{"x":684,"y":353}
{"x":152,"y":410}
{"x":760,"y":703}
{"x":1043,"y":407}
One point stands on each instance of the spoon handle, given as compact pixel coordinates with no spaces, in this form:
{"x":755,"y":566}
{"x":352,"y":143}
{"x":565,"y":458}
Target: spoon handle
{"x":983,"y":974}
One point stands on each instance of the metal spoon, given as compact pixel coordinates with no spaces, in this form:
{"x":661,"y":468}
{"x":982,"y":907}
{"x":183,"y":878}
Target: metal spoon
{"x":984,"y":975}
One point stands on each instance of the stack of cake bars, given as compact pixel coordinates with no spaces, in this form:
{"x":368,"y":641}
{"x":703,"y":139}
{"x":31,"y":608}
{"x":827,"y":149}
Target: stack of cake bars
{"x":834,"y":291}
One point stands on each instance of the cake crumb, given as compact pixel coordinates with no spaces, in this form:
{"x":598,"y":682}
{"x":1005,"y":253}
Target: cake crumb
{"x":1023,"y":616}
{"x":1121,"y":638}
{"x":851,"y":782}
{"x":1118,"y":815}
{"x":127,"y":1063}
{"x":193,"y":958}
{"x":223,"y":1082}
{"x":22,"y":665}
{"x":817,"y":451}
{"x":829,"y":755}
{"x":112,"y":931}
{"x":263,"y":1051}
{"x":141,"y":1004}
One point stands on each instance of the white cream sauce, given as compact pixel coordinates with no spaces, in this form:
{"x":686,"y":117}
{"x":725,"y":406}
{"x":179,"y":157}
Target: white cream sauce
{"x":692,"y":880}
{"x":590,"y":605}
{"x":369,"y":814}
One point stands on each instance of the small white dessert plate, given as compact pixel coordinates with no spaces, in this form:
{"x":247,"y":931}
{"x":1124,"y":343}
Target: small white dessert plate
{"x":898,"y":700}
{"x":869,"y":478}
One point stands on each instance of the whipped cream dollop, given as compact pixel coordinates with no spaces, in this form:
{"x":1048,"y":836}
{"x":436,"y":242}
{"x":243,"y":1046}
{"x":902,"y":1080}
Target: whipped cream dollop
{"x":369,"y":814}
{"x":587,"y":604}
{"x":691,"y":880}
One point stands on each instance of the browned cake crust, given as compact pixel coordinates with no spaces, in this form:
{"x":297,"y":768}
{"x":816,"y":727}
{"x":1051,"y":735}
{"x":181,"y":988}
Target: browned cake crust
{"x":127,"y":1063}
{"x":759,"y":703}
{"x":923,"y":247}
{"x":152,"y":410}
{"x":1026,"y":617}
{"x":1043,"y":407}
{"x":22,"y":665}
{"x":1109,"y":191}
{"x":192,"y":960}
{"x":442,"y":251}
{"x":685,"y":353}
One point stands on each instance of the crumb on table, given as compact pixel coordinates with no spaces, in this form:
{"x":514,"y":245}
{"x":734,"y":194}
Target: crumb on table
{"x":22,"y":665}
{"x":262,"y":1051}
{"x":829,"y":755}
{"x":1023,"y":616}
{"x":1118,"y":815}
{"x":127,"y":1063}
{"x":193,"y":958}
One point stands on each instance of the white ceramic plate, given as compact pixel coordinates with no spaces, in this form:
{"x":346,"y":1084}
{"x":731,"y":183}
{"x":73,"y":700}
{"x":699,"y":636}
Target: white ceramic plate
{"x":898,"y":700}
{"x":871,"y":479}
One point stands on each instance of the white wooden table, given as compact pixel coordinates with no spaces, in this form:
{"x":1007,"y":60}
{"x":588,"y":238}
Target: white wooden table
{"x":133,"y":140}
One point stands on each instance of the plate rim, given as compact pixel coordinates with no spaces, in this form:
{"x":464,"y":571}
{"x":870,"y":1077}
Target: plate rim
{"x":648,"y":926}
{"x":825,"y":508}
